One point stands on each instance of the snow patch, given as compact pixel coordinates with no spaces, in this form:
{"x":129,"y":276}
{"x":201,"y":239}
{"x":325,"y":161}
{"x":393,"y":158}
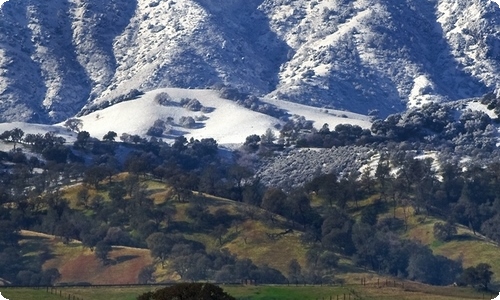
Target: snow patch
{"x":477,"y":106}
{"x":422,"y":92}
{"x":227,"y":122}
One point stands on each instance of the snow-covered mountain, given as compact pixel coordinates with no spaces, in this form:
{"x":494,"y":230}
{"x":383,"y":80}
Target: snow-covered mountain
{"x":59,"y":56}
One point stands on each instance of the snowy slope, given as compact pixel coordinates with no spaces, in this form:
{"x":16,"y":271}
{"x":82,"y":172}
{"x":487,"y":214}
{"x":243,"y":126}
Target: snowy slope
{"x":58,"y":56}
{"x":228,"y":123}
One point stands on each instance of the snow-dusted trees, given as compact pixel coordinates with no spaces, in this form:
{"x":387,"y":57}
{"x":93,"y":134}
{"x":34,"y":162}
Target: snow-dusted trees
{"x":164,"y":99}
{"x":15,"y":135}
{"x":74,"y":124}
{"x":188,"y":122}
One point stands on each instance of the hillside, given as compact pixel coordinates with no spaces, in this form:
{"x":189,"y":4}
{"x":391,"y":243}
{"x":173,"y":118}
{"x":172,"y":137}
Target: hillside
{"x":250,"y":238}
{"x":356,"y":55}
{"x":399,"y":201}
{"x":228,"y":122}
{"x":78,"y":265}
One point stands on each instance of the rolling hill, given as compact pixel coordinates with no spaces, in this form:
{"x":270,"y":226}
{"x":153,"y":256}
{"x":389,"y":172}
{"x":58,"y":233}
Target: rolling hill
{"x":249,"y":239}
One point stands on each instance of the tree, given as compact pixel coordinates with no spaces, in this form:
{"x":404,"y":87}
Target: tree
{"x":484,"y":274}
{"x":159,"y":245}
{"x":91,"y":238}
{"x":49,"y":277}
{"x":294,"y":271}
{"x":146,"y":275}
{"x":102,"y":250}
{"x":490,"y":228}
{"x":82,"y":139}
{"x":252,"y":143}
{"x":83,"y":197}
{"x":328,"y":260}
{"x":423,"y":266}
{"x":274,"y":200}
{"x":299,"y":207}
{"x":466,"y":210}
{"x":369,"y":215}
{"x":268,"y":137}
{"x":5,"y":135}
{"x":444,"y":231}
{"x":187,"y":122}
{"x":74,"y":124}
{"x":110,"y":136}
{"x":205,"y":291}
{"x":93,"y":175}
{"x":16,"y":135}
{"x":238,"y":174}
{"x":478,"y":276}
{"x":219,"y":232}
{"x":336,"y":231}
{"x":155,"y":131}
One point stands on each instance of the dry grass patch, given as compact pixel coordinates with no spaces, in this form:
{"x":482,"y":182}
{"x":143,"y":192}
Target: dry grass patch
{"x":252,"y":242}
{"x":71,"y":193}
{"x":79,"y":264}
{"x":160,"y":197}
{"x":473,"y":252}
{"x":471,"y":249}
{"x":415,"y":292}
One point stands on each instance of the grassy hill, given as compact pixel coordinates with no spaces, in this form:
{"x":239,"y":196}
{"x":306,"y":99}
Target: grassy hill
{"x":257,"y":237}
{"x":466,"y":246}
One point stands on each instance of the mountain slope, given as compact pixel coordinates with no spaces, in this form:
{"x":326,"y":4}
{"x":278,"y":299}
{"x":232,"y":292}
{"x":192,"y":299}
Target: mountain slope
{"x":58,"y":56}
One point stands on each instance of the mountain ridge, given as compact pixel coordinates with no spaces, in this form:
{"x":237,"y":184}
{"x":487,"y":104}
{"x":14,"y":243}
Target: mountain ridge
{"x":59,"y":56}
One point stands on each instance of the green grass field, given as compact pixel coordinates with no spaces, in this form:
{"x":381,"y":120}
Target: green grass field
{"x":371,"y":292}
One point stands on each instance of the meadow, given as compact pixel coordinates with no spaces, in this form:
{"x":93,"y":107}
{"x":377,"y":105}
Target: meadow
{"x":410,"y":291}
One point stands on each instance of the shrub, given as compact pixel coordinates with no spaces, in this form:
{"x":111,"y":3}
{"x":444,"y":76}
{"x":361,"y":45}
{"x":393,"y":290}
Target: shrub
{"x":187,"y":122}
{"x":205,"y":291}
{"x":164,"y":99}
{"x":191,"y":104}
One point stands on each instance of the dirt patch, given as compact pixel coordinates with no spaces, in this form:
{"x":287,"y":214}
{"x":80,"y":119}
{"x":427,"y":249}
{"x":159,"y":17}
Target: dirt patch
{"x":81,"y":265}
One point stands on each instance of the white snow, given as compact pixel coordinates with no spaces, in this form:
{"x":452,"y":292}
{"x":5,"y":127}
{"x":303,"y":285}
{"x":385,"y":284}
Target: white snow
{"x":477,"y":106}
{"x":228,"y":123}
{"x":356,"y":55}
{"x":322,"y":116}
{"x":31,"y":128}
{"x":422,"y":92}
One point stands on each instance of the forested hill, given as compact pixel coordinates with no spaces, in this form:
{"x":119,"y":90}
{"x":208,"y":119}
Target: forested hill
{"x":59,"y":56}
{"x":409,"y":213}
